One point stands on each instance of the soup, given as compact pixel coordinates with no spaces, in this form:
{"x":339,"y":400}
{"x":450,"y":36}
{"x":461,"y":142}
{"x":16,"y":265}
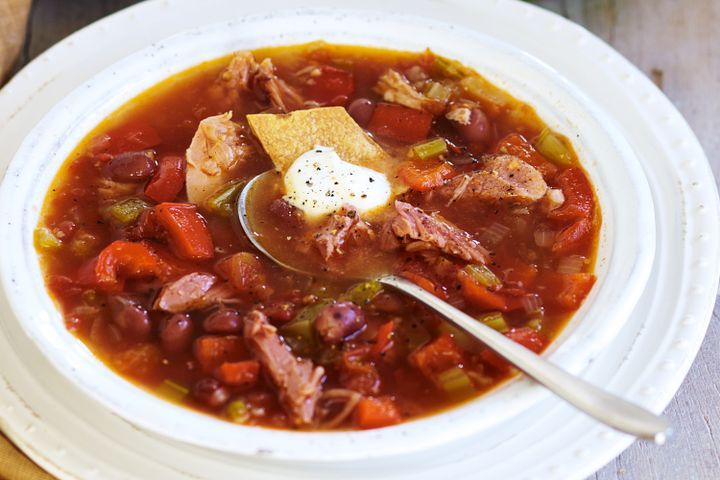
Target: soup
{"x":384,"y":162}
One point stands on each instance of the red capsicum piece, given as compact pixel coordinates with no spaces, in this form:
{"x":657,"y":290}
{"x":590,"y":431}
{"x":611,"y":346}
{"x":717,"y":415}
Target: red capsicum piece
{"x":188,"y":233}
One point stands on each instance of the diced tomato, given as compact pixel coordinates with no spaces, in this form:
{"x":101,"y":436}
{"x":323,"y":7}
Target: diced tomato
{"x":168,"y":180}
{"x":133,"y":136}
{"x":573,"y":239}
{"x":211,"y":351}
{"x":332,"y":87}
{"x":358,"y":373}
{"x":138,"y":361}
{"x":525,"y":336}
{"x":566,"y":290}
{"x":384,"y":341}
{"x":515,"y":144}
{"x":426,"y":284}
{"x":238,"y":374}
{"x":402,"y":124}
{"x":579,"y":201}
{"x":188,"y":233}
{"x":374,"y":412}
{"x":246,"y":273}
{"x":425,"y":177}
{"x":119,"y":261}
{"x":437,"y":356}
{"x":520,"y":273}
{"x":479,"y":295}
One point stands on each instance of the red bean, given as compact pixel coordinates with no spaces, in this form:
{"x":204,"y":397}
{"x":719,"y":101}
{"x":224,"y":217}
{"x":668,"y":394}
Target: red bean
{"x":211,"y":392}
{"x":361,"y":109}
{"x":132,"y":166}
{"x":338,"y":321}
{"x":176,"y":333}
{"x":225,"y":320}
{"x":132,"y":319}
{"x":388,"y":302}
{"x":478,"y":130}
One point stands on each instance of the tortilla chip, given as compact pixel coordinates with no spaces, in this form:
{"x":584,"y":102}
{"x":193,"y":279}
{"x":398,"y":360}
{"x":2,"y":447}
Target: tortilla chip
{"x":286,"y":136}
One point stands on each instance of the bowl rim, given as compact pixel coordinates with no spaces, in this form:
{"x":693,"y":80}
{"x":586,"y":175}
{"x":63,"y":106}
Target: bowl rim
{"x":380,"y":440}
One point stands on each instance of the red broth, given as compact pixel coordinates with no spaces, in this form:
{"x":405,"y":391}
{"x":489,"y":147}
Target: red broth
{"x":108,"y":244}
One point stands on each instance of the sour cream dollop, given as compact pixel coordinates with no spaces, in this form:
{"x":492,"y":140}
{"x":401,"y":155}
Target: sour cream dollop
{"x":319,"y":182}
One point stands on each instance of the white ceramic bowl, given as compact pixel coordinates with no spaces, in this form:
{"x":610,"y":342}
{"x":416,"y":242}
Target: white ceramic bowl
{"x":625,"y":253}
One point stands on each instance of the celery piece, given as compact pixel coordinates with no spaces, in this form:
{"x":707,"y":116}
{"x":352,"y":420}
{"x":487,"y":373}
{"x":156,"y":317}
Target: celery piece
{"x":172,"y":391}
{"x":300,"y":332}
{"x":430,"y":149}
{"x":223,"y":201}
{"x":553,"y":148}
{"x":450,"y":68}
{"x":438,"y":91}
{"x":483,"y":275}
{"x":126,"y":211}
{"x":237,"y":411}
{"x":456,"y":382}
{"x":362,"y":293}
{"x":45,"y":239}
{"x":535,"y":324}
{"x":495,"y":320}
{"x":482,"y":90}
{"x":463,"y":340}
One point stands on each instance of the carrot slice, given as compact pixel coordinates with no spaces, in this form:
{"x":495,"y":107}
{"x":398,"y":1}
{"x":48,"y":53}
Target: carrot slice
{"x":187,"y":230}
{"x":384,"y":342}
{"x":238,"y":374}
{"x":423,"y":178}
{"x":426,"y":284}
{"x":479,"y":296}
{"x":372,"y":412}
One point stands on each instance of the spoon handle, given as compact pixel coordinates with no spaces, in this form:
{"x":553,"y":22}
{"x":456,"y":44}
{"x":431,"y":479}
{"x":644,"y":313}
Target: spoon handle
{"x":603,"y":406}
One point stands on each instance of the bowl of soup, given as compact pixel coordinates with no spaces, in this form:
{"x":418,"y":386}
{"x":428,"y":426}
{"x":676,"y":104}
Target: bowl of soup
{"x":480,"y":176}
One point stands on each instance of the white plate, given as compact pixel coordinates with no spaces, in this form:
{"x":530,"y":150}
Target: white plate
{"x":647,"y":362}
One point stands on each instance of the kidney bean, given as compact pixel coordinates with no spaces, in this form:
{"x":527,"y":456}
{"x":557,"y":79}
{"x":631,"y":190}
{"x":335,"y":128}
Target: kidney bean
{"x":388,"y":302}
{"x":132,"y":166}
{"x":225,"y":320}
{"x":290,"y":216}
{"x":176,"y":332}
{"x":338,"y":321}
{"x":211,"y":392}
{"x":478,"y":130}
{"x":131,"y":318}
{"x":361,"y":109}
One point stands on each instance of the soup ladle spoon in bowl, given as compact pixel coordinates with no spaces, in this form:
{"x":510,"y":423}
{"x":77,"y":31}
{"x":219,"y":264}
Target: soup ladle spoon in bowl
{"x":605,"y":407}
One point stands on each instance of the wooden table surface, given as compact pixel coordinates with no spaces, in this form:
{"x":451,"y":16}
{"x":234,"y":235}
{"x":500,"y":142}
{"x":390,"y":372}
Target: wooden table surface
{"x":677,"y":44}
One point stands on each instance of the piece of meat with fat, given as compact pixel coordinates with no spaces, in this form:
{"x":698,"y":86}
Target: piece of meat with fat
{"x":239,"y":72}
{"x":396,"y":88}
{"x":503,"y":178}
{"x":194,"y":291}
{"x":343,"y":227}
{"x":185,"y":293}
{"x":298,"y":381}
{"x":217,"y":151}
{"x":282,"y":96}
{"x":412,"y":224}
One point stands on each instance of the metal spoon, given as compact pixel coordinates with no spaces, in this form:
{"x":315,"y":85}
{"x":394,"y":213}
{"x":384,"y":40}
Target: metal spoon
{"x":603,"y":406}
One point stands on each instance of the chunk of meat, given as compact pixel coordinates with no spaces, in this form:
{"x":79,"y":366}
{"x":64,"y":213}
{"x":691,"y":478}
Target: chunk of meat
{"x":215,"y":154}
{"x":282,"y":96}
{"x":185,"y":293}
{"x":343,"y":227}
{"x":297,"y":380}
{"x":411,"y":223}
{"x":396,"y":88}
{"x":502,"y":178}
{"x":236,"y":77}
